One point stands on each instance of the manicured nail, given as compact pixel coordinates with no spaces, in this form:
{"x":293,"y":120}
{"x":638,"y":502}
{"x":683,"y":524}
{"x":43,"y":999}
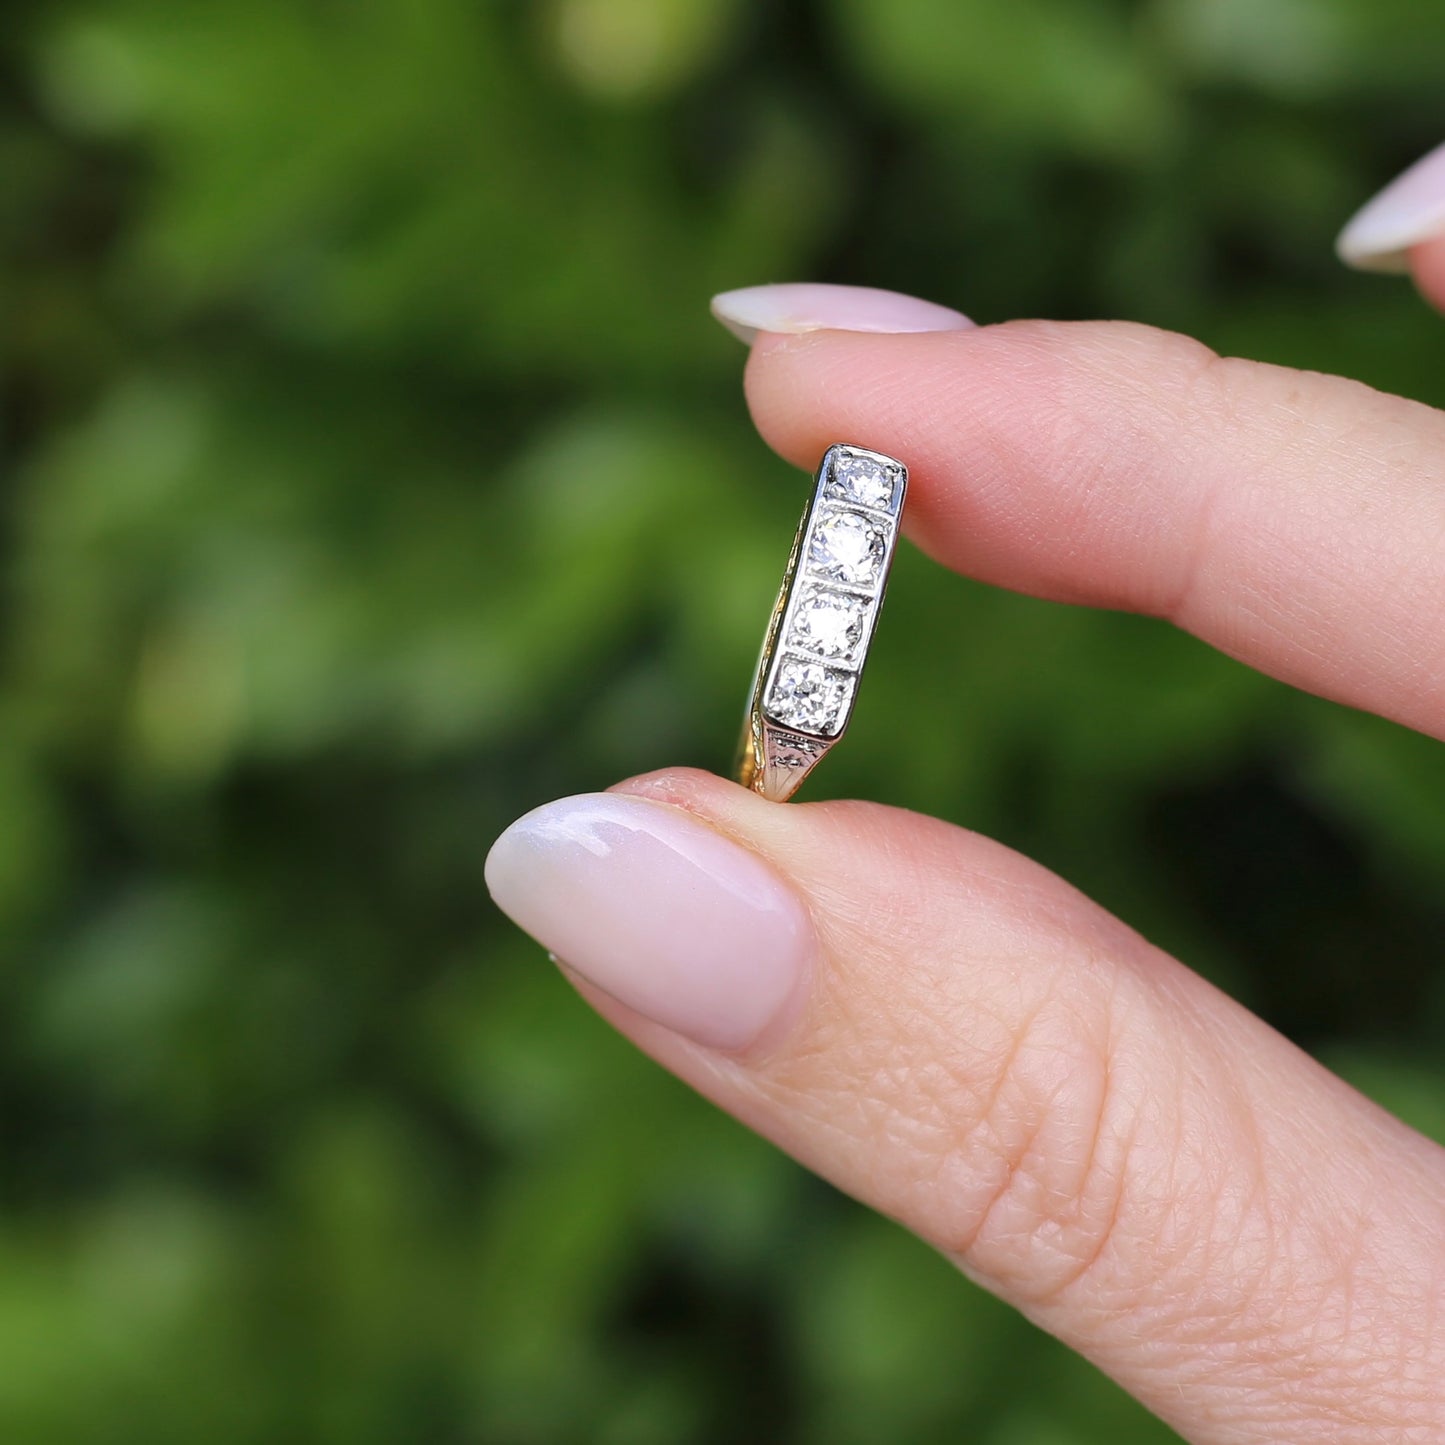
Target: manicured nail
{"x":1409,"y":210}
{"x":805,"y":306}
{"x":655,"y":908}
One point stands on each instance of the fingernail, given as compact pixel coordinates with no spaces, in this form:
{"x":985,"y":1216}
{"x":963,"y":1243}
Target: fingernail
{"x":655,"y":908}
{"x":805,"y":306}
{"x":1409,"y":210}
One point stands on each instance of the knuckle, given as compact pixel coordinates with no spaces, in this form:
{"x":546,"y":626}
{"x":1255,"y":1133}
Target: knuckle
{"x":1038,"y":1175}
{"x":1086,"y":1170}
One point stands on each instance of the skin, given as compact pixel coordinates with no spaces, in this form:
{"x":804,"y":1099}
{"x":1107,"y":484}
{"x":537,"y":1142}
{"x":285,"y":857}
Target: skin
{"x":1427,"y":265}
{"x":1079,"y":1122}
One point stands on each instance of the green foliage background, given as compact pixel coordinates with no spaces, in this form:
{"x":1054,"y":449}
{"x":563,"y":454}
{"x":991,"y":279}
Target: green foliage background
{"x":372,"y":472}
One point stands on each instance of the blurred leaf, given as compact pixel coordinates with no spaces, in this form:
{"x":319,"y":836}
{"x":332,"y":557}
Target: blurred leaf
{"x":1067,"y":75}
{"x":627,"y":49}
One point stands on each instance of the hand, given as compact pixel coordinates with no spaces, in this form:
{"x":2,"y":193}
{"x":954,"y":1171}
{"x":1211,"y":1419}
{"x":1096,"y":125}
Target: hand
{"x":954,"y":1035}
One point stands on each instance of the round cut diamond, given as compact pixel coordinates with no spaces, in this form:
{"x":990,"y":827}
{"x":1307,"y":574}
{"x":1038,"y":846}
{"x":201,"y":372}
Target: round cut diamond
{"x":828,"y":623}
{"x":863,"y":480}
{"x":847,"y":547}
{"x":808,"y":697}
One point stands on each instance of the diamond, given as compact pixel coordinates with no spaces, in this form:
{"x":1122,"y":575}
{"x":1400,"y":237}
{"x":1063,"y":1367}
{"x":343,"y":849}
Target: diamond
{"x":829,"y":623}
{"x":809,"y":697}
{"x":848,"y":547}
{"x":864,"y":480}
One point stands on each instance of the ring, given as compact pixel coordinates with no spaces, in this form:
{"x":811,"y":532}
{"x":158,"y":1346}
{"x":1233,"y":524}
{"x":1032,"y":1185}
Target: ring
{"x":817,"y":637}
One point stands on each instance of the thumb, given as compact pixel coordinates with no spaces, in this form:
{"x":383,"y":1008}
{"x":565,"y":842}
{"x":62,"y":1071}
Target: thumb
{"x":961,"y":1040}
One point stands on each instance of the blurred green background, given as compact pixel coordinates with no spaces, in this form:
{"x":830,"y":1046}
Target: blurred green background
{"x":373,"y":472}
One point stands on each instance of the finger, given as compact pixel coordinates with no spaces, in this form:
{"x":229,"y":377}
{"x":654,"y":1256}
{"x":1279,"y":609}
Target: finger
{"x":963,"y":1042}
{"x":1400,"y":228}
{"x":1427,"y":265}
{"x":1294,"y":520}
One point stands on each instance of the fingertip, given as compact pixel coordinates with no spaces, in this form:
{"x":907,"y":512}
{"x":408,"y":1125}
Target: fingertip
{"x":1013,"y":434}
{"x":674,"y":918}
{"x":1427,"y":266}
{"x":807,"y":392}
{"x":807,"y":841}
{"x":1406,"y":213}
{"x":788,"y":393}
{"x":681,"y":786}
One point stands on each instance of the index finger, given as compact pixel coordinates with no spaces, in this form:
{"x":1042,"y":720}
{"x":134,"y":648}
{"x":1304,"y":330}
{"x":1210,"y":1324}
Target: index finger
{"x":1293,"y":520}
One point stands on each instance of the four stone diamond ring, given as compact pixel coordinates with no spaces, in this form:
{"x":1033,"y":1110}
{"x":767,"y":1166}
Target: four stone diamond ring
{"x":817,"y":636}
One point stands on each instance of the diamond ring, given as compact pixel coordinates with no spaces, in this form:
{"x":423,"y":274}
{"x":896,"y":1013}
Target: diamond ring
{"x":817,"y":636}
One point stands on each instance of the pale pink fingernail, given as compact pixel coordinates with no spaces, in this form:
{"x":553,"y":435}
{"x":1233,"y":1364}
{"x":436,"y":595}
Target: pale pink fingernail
{"x":808,"y":306}
{"x":657,"y":909}
{"x":1409,"y":210}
